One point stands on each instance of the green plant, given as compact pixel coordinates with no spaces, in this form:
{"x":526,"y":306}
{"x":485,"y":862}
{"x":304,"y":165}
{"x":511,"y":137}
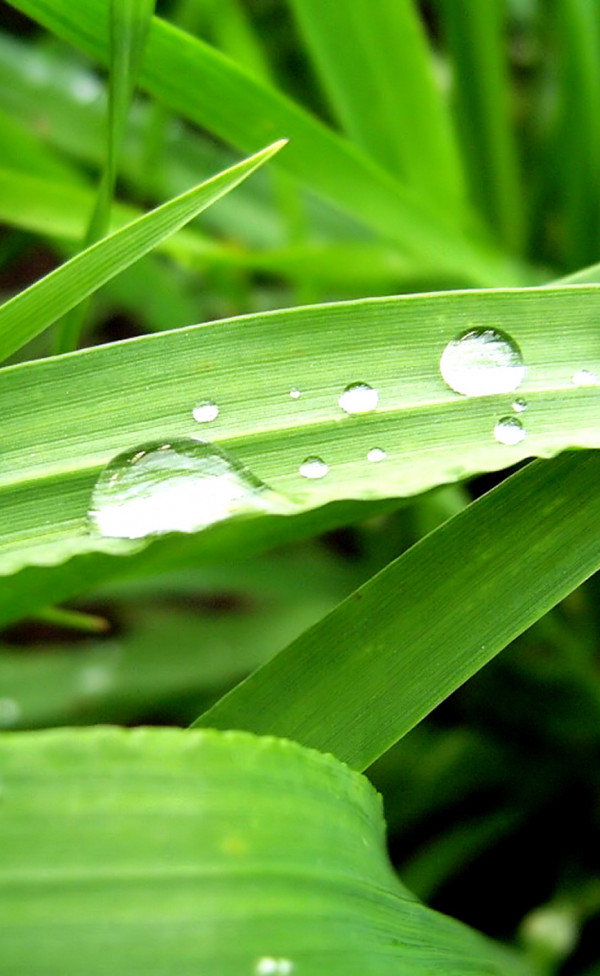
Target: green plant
{"x":275,"y":522}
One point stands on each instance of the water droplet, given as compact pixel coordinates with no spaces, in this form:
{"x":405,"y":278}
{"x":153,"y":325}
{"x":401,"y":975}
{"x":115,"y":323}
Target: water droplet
{"x":182,"y":486}
{"x":358,"y":398}
{"x":10,"y":712}
{"x":205,"y":411}
{"x":376,"y":454}
{"x":313,"y":467}
{"x":584,"y":377}
{"x":519,"y":405}
{"x":481,"y":362}
{"x":295,"y":394}
{"x":269,"y":966}
{"x":509,"y":431}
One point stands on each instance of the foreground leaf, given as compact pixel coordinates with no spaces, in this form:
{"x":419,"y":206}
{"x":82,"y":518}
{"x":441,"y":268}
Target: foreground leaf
{"x":163,"y":851}
{"x":33,"y":310}
{"x":249,"y":365}
{"x":385,"y":657}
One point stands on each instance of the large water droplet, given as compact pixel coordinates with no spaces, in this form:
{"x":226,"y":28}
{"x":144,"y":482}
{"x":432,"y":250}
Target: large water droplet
{"x":205,"y":411}
{"x":584,"y":377}
{"x":376,"y":454}
{"x":481,"y":362}
{"x":270,"y":966}
{"x":313,"y":467}
{"x":10,"y":712}
{"x":509,"y":431}
{"x":519,"y":405}
{"x":182,"y":486}
{"x":358,"y":398}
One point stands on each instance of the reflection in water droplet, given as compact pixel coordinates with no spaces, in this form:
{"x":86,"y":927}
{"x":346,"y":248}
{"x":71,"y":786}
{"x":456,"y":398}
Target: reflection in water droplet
{"x":313,"y":467}
{"x":376,"y":454}
{"x":481,"y":362}
{"x":358,"y":398}
{"x":10,"y":712}
{"x":584,"y":377}
{"x":295,"y":394}
{"x":205,"y":411}
{"x":519,"y":405}
{"x":182,"y":486}
{"x":269,"y":966}
{"x":509,"y":431}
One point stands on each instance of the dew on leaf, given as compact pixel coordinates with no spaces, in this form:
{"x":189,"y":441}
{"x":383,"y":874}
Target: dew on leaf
{"x":205,"y":411}
{"x":509,"y":431}
{"x":481,"y":362}
{"x":584,"y":377}
{"x":376,"y":454}
{"x":519,"y":405}
{"x":358,"y":398}
{"x":313,"y":467}
{"x":180,"y":486}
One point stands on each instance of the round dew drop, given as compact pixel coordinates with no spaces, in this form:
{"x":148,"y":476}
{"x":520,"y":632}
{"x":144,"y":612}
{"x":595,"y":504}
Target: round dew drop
{"x":358,"y":398}
{"x":205,"y":411}
{"x":482,"y":362}
{"x":313,"y":467}
{"x":295,"y":394}
{"x":509,"y":431}
{"x":181,"y":486}
{"x":584,"y":377}
{"x":376,"y":454}
{"x":519,"y":406}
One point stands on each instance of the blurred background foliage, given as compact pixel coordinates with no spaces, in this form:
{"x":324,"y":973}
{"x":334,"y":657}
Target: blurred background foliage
{"x":493,"y":803}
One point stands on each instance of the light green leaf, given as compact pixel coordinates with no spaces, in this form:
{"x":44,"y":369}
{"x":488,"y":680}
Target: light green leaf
{"x":162,"y":851}
{"x":377,"y":69}
{"x":202,"y":85}
{"x":385,"y":657}
{"x":249,"y":365}
{"x":33,"y":310}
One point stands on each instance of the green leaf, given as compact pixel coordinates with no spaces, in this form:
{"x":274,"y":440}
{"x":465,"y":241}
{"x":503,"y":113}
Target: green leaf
{"x":476,"y":35}
{"x":249,"y":365}
{"x":366,"y":674}
{"x":202,"y":85}
{"x":377,"y":69}
{"x":33,"y":310}
{"x":162,"y":851}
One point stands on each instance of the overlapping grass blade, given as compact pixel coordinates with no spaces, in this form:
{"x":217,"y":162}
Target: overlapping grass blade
{"x":249,"y":365}
{"x":377,"y":69}
{"x":196,"y":81}
{"x":30,"y":312}
{"x":476,"y":39}
{"x":366,"y":674}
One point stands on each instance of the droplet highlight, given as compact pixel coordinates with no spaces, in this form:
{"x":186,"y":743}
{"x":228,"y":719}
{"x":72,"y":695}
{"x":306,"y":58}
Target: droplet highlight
{"x":181,"y":486}
{"x":509,"y":431}
{"x":295,"y":394}
{"x":313,"y":467}
{"x":376,"y":454}
{"x":584,"y":377}
{"x":359,"y":398}
{"x":519,"y":406}
{"x":270,"y":966}
{"x":205,"y":411}
{"x":482,"y":362}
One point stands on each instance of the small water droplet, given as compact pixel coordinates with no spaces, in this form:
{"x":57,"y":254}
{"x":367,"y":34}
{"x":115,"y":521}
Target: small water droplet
{"x":509,"y":431}
{"x":359,"y":398}
{"x":182,"y":486}
{"x":10,"y":712}
{"x":376,"y":454}
{"x":295,"y":394}
{"x":481,"y":362}
{"x":584,"y":377}
{"x":270,"y":966}
{"x":519,"y":405}
{"x":313,"y":467}
{"x":205,"y":411}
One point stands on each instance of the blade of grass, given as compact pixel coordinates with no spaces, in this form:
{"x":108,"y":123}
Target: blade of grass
{"x":33,"y":310}
{"x":385,"y":657}
{"x":129,"y":24}
{"x":249,"y":365}
{"x":202,"y":85}
{"x":476,"y":39}
{"x":377,"y":68}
